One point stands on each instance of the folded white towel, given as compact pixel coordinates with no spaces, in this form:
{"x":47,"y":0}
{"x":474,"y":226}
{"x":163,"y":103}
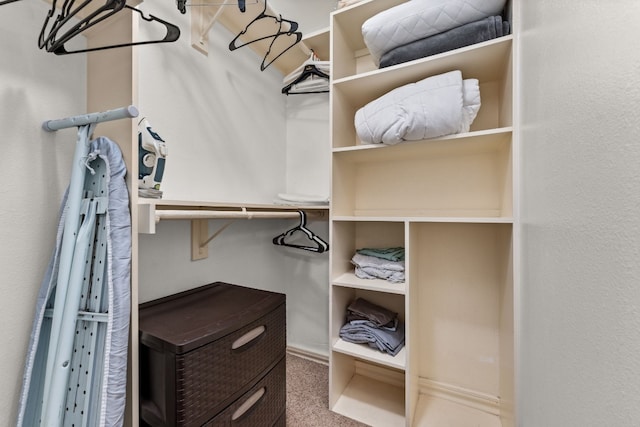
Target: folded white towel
{"x":436,"y":106}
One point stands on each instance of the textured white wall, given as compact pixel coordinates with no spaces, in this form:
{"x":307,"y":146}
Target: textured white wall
{"x":581,"y":208}
{"x":308,"y":147}
{"x":34,"y":172}
{"x":311,"y":15}
{"x":223,"y":119}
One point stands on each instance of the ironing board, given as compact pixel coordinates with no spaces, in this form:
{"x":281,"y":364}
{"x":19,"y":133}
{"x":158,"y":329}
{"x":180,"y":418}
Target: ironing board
{"x":75,"y":372}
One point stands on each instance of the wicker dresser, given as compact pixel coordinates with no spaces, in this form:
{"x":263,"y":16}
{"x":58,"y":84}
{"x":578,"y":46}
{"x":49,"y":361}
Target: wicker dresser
{"x":213,"y":356}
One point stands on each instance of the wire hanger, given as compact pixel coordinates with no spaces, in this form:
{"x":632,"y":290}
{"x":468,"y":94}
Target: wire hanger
{"x":311,"y":77}
{"x":320,"y":245}
{"x":56,"y":44}
{"x":279,"y":20}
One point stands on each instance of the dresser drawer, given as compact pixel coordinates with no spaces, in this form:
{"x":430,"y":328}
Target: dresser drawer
{"x":199,"y":351}
{"x":264,"y":404}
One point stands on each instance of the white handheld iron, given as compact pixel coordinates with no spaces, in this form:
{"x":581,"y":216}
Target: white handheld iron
{"x":152,"y":153}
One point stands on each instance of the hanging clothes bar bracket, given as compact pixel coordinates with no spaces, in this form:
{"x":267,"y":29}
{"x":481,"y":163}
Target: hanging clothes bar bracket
{"x":201,"y":24}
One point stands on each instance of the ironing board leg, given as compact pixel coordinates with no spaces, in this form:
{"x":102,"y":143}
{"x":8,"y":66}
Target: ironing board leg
{"x":72,"y":221}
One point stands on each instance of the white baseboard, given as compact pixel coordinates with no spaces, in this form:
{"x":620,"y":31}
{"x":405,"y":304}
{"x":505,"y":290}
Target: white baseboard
{"x":471,"y":398}
{"x":309,"y":355}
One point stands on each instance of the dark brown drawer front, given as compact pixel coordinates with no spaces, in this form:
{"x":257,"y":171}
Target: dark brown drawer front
{"x":262,"y":406}
{"x":211,"y":377}
{"x":282,"y":420}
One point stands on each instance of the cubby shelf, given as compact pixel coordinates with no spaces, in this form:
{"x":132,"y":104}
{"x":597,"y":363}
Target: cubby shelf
{"x":372,"y":402}
{"x":364,"y":352}
{"x":350,"y":280}
{"x":475,"y":141}
{"x":484,"y":61}
{"x":450,"y":202}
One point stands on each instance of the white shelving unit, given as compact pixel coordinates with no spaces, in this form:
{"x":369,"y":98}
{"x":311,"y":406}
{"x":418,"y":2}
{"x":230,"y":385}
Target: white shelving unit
{"x":450,"y":202}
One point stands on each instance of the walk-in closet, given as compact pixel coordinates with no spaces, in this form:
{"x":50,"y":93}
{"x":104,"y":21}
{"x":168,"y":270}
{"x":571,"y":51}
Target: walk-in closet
{"x":310,"y":213}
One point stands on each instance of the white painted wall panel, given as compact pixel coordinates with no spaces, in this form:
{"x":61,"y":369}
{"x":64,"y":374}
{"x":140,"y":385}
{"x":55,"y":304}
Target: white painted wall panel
{"x":35,"y":167}
{"x":581,"y":239}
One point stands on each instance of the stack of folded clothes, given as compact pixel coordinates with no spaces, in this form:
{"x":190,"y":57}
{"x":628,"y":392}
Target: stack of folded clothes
{"x":380,"y":263}
{"x":420,"y":28}
{"x":371,"y":324}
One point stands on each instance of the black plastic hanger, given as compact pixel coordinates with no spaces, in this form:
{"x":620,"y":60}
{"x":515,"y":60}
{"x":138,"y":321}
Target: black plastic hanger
{"x":308,"y":71}
{"x":52,"y":43}
{"x":320,"y":247}
{"x":279,"y":20}
{"x":266,"y":61}
{"x":7,"y":2}
{"x":49,"y":33}
{"x":293,"y":26}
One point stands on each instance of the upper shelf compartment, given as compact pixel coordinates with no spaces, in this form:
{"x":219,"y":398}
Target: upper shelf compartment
{"x":490,"y":62}
{"x":348,"y":43}
{"x":352,"y":58}
{"x":204,"y":16}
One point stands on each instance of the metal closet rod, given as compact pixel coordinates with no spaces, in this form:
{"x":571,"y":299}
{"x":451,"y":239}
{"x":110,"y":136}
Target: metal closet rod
{"x":85,"y":119}
{"x":217,"y":214}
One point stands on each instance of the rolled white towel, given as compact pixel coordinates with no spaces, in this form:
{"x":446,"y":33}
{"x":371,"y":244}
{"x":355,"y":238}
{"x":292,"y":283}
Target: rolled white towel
{"x":435,"y":106}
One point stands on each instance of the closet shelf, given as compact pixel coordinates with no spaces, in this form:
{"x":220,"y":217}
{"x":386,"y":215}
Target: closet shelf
{"x":150,"y":211}
{"x":364,"y":352}
{"x":413,"y":217}
{"x":351,"y":18}
{"x":204,"y":17}
{"x":483,"y":61}
{"x":350,"y":280}
{"x":471,"y":142}
{"x":372,"y":401}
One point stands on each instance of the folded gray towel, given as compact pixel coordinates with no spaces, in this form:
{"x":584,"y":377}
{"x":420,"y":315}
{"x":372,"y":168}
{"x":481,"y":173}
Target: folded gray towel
{"x":384,"y":340}
{"x":363,"y":309}
{"x":464,"y":35}
{"x":391,"y":326}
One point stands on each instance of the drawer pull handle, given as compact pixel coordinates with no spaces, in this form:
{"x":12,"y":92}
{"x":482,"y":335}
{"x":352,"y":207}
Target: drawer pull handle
{"x":248,"y":404}
{"x":248,"y":337}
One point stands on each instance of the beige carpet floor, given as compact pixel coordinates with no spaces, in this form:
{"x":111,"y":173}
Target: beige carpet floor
{"x":308,"y":398}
